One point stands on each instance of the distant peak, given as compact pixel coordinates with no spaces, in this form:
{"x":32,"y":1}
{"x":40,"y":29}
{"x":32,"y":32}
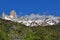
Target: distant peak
{"x":13,"y":11}
{"x":3,"y":15}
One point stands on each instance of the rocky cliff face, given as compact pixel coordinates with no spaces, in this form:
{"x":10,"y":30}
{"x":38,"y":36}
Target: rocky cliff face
{"x":3,"y":15}
{"x":13,"y":14}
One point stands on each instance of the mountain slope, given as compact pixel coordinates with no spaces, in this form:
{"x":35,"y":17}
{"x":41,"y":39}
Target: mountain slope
{"x":15,"y":31}
{"x":33,"y":19}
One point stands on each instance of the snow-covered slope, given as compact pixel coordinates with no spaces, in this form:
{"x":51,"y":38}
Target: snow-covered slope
{"x":35,"y":20}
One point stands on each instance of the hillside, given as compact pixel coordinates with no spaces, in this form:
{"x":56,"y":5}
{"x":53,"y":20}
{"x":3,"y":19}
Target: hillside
{"x":15,"y":31}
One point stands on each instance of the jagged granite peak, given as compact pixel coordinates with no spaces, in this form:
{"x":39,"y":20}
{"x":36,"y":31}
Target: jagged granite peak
{"x":3,"y":15}
{"x":13,"y":14}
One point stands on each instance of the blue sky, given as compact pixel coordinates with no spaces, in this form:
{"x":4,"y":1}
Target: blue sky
{"x":26,"y":7}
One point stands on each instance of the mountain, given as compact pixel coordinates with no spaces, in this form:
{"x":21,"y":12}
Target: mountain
{"x":10,"y":30}
{"x":33,"y":19}
{"x":40,"y":20}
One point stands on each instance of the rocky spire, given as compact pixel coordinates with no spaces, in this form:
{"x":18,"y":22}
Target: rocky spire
{"x":13,"y":13}
{"x":3,"y":15}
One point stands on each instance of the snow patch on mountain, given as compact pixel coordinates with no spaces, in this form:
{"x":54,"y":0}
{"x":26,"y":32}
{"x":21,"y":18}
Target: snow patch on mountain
{"x":35,"y":20}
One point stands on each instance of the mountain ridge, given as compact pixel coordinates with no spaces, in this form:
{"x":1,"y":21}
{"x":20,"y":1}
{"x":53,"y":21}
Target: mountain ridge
{"x":33,"y":19}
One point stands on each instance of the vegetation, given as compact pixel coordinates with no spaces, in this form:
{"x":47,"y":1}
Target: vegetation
{"x":16,"y":31}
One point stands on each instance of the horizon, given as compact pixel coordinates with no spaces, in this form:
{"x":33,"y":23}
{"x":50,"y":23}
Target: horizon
{"x":27,"y":15}
{"x":27,"y":7}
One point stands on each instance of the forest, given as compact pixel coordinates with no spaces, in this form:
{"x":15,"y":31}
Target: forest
{"x":16,"y":31}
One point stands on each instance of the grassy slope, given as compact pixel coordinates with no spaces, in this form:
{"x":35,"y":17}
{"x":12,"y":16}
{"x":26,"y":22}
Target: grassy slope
{"x":15,"y":31}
